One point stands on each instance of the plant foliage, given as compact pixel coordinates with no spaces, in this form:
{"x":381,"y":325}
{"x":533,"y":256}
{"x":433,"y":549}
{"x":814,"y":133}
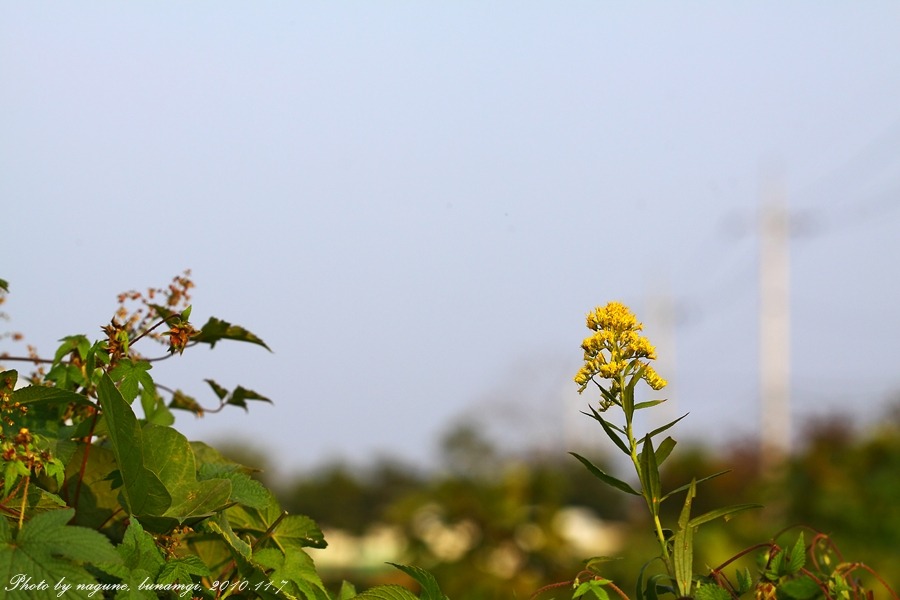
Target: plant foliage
{"x":102,"y":495}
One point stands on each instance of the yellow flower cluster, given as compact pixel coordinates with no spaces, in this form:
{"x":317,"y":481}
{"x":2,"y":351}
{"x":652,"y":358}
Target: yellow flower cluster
{"x":616,"y":348}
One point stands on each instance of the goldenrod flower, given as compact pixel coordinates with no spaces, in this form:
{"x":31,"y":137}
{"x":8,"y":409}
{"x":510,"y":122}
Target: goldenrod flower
{"x":616,"y":348}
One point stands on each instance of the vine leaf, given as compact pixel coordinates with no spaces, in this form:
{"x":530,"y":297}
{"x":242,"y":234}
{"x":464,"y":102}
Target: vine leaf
{"x":217,"y":329}
{"x":157,"y":466}
{"x":47,"y":549}
{"x":143,"y":493}
{"x":387,"y":592}
{"x":238,"y":397}
{"x":168,"y":453}
{"x":295,"y":568}
{"x":430,"y":588}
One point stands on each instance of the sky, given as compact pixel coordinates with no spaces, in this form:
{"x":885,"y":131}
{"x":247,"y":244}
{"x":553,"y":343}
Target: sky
{"x":416,"y":204}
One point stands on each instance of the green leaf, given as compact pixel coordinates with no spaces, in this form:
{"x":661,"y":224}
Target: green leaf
{"x":155,"y":409}
{"x":168,"y":454}
{"x":244,"y":490}
{"x":607,"y":479}
{"x":182,"y":401}
{"x":664,"y":450}
{"x":8,"y":380}
{"x":650,"y":472}
{"x":39,"y":394}
{"x":659,"y":430}
{"x":240,"y":395}
{"x":798,"y":555}
{"x":710,"y":591}
{"x":628,"y":394}
{"x":648,"y":404}
{"x":4,"y":285}
{"x":217,"y":389}
{"x":181,"y":570}
{"x":594,"y":586}
{"x":139,"y":550}
{"x":744,"y":581}
{"x":48,"y":550}
{"x":298,"y":531}
{"x":430,"y":588}
{"x":143,"y":492}
{"x":387,"y":592}
{"x":72,"y":343}
{"x":609,"y":428}
{"x":131,"y":375}
{"x":725,"y":512}
{"x":296,"y":568}
{"x":347,"y":591}
{"x":684,"y":545}
{"x":688,"y":485}
{"x":802,"y":588}
{"x":216,"y":329}
{"x":597,"y":563}
{"x":652,"y":589}
{"x":221,"y":526}
{"x":88,"y":482}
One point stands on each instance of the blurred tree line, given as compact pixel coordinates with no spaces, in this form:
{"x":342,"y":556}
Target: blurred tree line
{"x":491,"y":525}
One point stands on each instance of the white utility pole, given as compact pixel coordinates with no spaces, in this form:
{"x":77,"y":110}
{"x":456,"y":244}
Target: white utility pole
{"x":774,"y":323}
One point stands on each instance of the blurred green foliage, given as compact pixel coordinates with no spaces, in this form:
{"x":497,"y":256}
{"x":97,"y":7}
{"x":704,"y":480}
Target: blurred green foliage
{"x":490,"y":525}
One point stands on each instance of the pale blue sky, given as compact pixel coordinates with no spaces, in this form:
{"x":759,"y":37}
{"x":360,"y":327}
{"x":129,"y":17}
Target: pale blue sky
{"x":415,"y":204}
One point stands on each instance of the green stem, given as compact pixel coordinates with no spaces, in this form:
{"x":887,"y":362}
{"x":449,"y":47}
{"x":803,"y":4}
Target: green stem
{"x":651,"y":506}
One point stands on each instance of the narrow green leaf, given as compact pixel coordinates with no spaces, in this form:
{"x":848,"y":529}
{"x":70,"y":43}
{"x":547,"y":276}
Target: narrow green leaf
{"x":688,"y":485}
{"x":650,"y":472}
{"x":684,"y":545}
{"x":4,"y":285}
{"x":607,"y":479}
{"x":648,"y":404}
{"x":725,"y":512}
{"x":659,"y":430}
{"x":664,"y":450}
{"x":596,"y":416}
{"x":628,"y":395}
{"x":609,"y":428}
